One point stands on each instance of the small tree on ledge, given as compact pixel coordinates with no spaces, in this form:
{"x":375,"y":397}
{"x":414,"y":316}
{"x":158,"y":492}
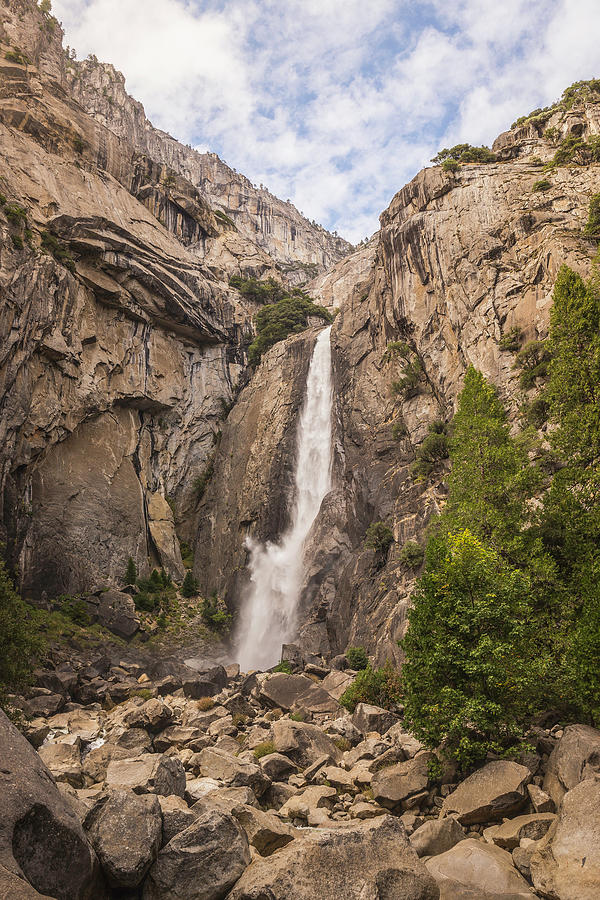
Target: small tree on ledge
{"x":130,"y":572}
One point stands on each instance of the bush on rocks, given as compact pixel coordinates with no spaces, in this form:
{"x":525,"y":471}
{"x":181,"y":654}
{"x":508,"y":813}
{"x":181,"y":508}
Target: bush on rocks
{"x":378,"y":687}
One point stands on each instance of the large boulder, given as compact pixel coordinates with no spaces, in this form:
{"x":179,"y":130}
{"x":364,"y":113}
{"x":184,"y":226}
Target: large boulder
{"x":64,"y":761}
{"x":474,"y":870}
{"x":575,"y":758}
{"x":116,"y":611}
{"x":202,"y":862}
{"x":14,"y":888}
{"x":436,"y":836}
{"x":371,"y":859}
{"x":265,"y":831}
{"x":336,"y":683}
{"x":303,"y":743}
{"x":510,"y":834}
{"x":125,"y":830}
{"x":150,"y":773}
{"x":404,"y":785}
{"x":372,"y":718}
{"x":233,"y":772}
{"x":566,"y":863}
{"x":41,"y":838}
{"x":497,"y":790}
{"x":290,"y":691}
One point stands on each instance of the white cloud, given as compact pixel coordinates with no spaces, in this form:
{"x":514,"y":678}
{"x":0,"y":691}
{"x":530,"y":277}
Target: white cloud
{"x":336,"y":103}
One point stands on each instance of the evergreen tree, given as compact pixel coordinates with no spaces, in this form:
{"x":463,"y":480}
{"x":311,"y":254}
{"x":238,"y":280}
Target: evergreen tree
{"x":472,"y":663}
{"x":130,"y":572}
{"x":19,"y":642}
{"x":189,"y":588}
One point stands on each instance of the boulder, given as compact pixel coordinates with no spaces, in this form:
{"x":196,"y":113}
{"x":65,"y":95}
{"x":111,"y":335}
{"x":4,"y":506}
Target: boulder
{"x":575,"y":757}
{"x":540,"y":800}
{"x":303,"y":743}
{"x":41,"y":838}
{"x":289,"y":691}
{"x":231,"y":771}
{"x":566,"y":862}
{"x":401,"y":738}
{"x":116,"y":612}
{"x":202,"y":862}
{"x":45,"y":704}
{"x":14,"y":888}
{"x":497,"y":790}
{"x":176,"y":816}
{"x":64,"y":761}
{"x":360,"y":861}
{"x":125,"y":830}
{"x":367,"y":749}
{"x":154,"y":715}
{"x":95,"y":763}
{"x":162,"y":530}
{"x":150,"y":773}
{"x":436,"y":836}
{"x":336,"y":683}
{"x":372,"y":718}
{"x":277,"y":767}
{"x":401,"y":786}
{"x":510,"y":833}
{"x":265,"y":831}
{"x":177,"y":736}
{"x":300,"y":805}
{"x":477,"y":871}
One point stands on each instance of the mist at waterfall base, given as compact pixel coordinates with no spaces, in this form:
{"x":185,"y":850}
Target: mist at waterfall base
{"x":268,"y":617}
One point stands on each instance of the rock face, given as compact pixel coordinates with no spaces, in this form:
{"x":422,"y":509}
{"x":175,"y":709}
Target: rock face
{"x":41,"y":840}
{"x":372,"y":857}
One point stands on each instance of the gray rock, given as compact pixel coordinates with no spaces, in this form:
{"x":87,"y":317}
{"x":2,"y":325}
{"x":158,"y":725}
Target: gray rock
{"x":231,"y":771}
{"x":477,"y":871}
{"x":497,"y":790}
{"x":566,"y":862}
{"x":176,"y":816}
{"x":400,"y":786}
{"x":125,"y":830}
{"x":64,"y":761}
{"x":150,"y":773}
{"x":303,"y":743}
{"x":540,"y":800}
{"x":277,"y":766}
{"x":510,"y":833}
{"x":14,"y":888}
{"x":372,"y":718}
{"x":116,"y":611}
{"x":575,"y":758}
{"x":436,"y":836}
{"x":289,"y":691}
{"x":41,"y":838}
{"x":361,"y":860}
{"x":201,"y":863}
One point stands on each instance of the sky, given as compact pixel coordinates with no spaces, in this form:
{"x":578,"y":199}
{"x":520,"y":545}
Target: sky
{"x":336,"y":104}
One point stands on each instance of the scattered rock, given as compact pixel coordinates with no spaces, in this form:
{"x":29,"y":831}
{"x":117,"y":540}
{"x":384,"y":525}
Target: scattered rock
{"x":64,"y":761}
{"x":473,"y":870}
{"x":303,"y":743}
{"x":540,"y":800}
{"x":575,"y":757}
{"x":176,"y":816}
{"x":402,"y":786}
{"x":125,"y":830}
{"x":509,"y":834}
{"x":436,"y":836}
{"x":372,"y":718}
{"x":115,"y":610}
{"x":150,"y":773}
{"x":289,"y":691}
{"x":232,"y":771}
{"x":490,"y":794}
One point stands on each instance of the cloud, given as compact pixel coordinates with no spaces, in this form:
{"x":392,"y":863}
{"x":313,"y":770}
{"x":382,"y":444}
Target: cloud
{"x":337,"y":103}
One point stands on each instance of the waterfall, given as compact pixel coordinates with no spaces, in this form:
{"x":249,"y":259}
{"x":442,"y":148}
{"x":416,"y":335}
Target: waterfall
{"x":269,"y":613}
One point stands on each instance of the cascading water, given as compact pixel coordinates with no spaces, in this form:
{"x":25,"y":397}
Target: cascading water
{"x":269,"y":614}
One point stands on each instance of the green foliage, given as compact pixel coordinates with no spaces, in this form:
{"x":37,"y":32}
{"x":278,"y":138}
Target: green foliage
{"x":379,"y":687}
{"x":215,"y":614}
{"x":264,"y":749}
{"x":189,"y":588}
{"x":203,"y":480}
{"x":399,"y":431}
{"x":187,"y":554}
{"x":17,"y":56}
{"x":465,"y":153}
{"x":576,"y":151}
{"x":592,"y":226}
{"x":396,"y":349}
{"x":431,"y":452}
{"x":412,"y":555}
{"x":75,"y":609}
{"x":537,"y":117}
{"x":224,"y":219}
{"x":130,"y":572}
{"x":343,"y":744}
{"x":535,"y":412}
{"x":412,"y":373}
{"x":542,"y":185}
{"x":16,"y":215}
{"x":20,"y":642}
{"x":145,"y":602}
{"x":379,"y":537}
{"x":276,"y":321}
{"x":283,"y":666}
{"x":512,"y":340}
{"x":471,"y":669}
{"x":269,"y":291}
{"x":298,"y":717}
{"x":52,"y":245}
{"x":533,"y":361}
{"x":357,"y":658}
{"x":78,"y":144}
{"x":3,"y":200}
{"x":46,"y":7}
{"x":450,"y":166}
{"x":17,"y":241}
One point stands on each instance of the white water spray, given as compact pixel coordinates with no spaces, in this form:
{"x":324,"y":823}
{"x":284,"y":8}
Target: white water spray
{"x":269,"y":614}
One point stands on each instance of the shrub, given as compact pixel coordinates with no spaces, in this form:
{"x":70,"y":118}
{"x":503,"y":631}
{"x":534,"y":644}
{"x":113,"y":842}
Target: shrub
{"x":379,"y":687}
{"x":238,"y":719}
{"x":130,"y":572}
{"x":412,"y":372}
{"x":542,"y":185}
{"x":399,"y":430}
{"x":535,"y":412}
{"x":189,"y":588}
{"x":283,"y":666}
{"x":450,"y":166}
{"x":412,"y":555}
{"x":264,"y":749}
{"x":15,"y":214}
{"x":224,"y":219}
{"x":17,"y":241}
{"x":357,"y":658}
{"x":533,"y":361}
{"x":187,"y":554}
{"x":471,"y":671}
{"x":205,"y":704}
{"x":17,"y":56}
{"x":512,"y":340}
{"x":379,"y":538}
{"x":465,"y":153}
{"x":276,"y":321}
{"x":76,"y":610}
{"x":215,"y":614}
{"x":433,"y":450}
{"x":592,"y":227}
{"x":52,"y":245}
{"x":395,"y":349}
{"x":343,"y":744}
{"x":78,"y":144}
{"x":269,"y":291}
{"x":145,"y":602}
{"x":298,"y":717}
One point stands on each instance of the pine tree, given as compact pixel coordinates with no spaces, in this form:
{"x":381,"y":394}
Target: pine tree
{"x":19,"y":642}
{"x":189,"y":588}
{"x":130,"y":572}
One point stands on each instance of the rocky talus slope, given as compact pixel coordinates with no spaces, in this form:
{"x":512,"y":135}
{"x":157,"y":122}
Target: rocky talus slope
{"x":459,"y":261}
{"x":122,"y":341}
{"x":146,"y":778}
